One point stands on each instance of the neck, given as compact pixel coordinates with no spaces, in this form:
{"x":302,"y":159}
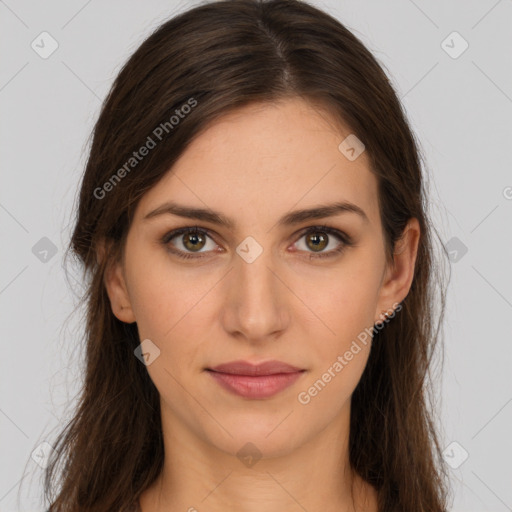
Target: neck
{"x":199,"y":476}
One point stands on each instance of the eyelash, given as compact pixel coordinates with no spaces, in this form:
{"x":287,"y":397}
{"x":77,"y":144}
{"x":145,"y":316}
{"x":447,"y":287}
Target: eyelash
{"x":346,"y":241}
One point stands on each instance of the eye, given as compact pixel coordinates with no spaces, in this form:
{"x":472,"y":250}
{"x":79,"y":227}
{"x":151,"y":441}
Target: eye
{"x":317,"y":238}
{"x":192,"y":240}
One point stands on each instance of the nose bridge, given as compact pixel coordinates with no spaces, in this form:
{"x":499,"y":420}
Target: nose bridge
{"x":255,"y":306}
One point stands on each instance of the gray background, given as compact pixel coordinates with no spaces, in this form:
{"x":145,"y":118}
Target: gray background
{"x":460,"y":109}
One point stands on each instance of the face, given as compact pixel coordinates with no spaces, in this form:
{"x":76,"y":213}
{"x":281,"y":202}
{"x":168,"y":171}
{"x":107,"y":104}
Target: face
{"x":269,"y":284}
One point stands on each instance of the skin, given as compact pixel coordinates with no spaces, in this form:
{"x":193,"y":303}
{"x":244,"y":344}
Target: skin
{"x":254,"y":166}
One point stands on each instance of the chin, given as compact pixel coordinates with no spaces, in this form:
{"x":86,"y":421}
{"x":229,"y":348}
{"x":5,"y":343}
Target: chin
{"x":259,"y":438}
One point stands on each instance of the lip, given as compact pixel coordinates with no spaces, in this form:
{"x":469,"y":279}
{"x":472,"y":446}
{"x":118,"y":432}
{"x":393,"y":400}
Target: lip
{"x":246,"y":368}
{"x":255,"y":381}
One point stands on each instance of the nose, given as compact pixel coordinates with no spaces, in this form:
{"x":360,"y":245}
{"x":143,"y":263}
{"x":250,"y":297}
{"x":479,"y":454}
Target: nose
{"x":255,"y":306}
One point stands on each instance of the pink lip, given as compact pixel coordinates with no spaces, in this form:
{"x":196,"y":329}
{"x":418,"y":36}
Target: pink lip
{"x":255,"y":381}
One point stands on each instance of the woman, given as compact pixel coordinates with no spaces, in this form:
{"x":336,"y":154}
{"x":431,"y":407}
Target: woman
{"x":253,"y":224}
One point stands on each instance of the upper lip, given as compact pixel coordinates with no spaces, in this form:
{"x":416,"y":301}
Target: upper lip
{"x":246,"y":368}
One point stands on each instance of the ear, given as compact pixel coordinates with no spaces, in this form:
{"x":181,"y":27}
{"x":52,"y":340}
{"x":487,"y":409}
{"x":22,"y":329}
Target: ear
{"x":399,"y":274}
{"x":115,"y":285}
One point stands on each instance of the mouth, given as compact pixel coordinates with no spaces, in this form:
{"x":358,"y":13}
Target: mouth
{"x":255,"y":381}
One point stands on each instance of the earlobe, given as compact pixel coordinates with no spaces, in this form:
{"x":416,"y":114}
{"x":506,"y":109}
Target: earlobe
{"x":115,"y":285}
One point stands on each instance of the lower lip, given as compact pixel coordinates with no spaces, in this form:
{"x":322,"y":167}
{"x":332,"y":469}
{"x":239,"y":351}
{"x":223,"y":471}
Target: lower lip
{"x":261,"y":386}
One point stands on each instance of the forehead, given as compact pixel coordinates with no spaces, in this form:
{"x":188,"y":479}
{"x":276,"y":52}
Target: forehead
{"x":263,"y":160}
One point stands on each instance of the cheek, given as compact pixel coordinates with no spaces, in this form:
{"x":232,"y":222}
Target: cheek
{"x":339,"y":356}
{"x":173,"y":308}
{"x":156,"y":294}
{"x":155,"y":304}
{"x":345,"y":300}
{"x":347,"y":307}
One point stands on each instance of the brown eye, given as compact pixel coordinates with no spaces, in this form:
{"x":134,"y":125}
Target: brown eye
{"x":189,"y":242}
{"x":317,"y":240}
{"x":193,"y":241}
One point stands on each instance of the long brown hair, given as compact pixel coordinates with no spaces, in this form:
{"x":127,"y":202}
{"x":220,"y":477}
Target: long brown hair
{"x":217,"y":57}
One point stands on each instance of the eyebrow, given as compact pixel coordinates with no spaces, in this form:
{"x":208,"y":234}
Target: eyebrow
{"x":290,"y":219}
